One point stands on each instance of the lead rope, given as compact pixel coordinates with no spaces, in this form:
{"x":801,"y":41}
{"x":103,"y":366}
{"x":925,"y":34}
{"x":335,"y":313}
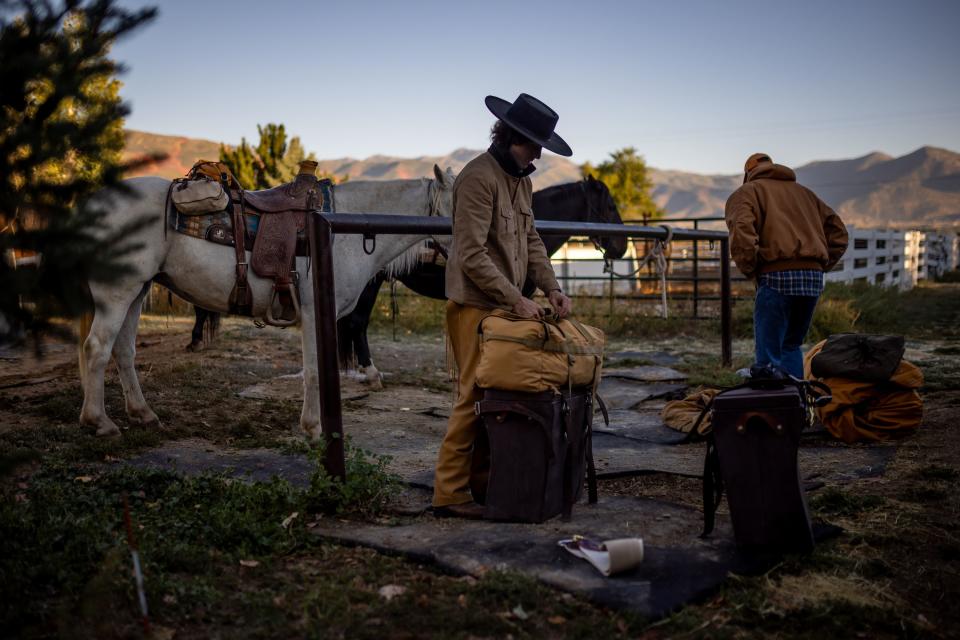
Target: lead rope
{"x":657,"y":255}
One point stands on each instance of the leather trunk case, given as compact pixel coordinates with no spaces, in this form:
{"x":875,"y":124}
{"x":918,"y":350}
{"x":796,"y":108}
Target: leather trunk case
{"x":757,"y":434}
{"x":536,"y":466}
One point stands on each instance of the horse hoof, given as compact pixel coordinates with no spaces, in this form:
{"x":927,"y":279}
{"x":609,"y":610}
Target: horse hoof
{"x":108,"y":431}
{"x":372,"y":377}
{"x":195,"y":346}
{"x":150,"y":423}
{"x":310,"y":434}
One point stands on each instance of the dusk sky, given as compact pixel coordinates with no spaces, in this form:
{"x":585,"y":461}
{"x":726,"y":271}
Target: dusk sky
{"x":694,"y":86}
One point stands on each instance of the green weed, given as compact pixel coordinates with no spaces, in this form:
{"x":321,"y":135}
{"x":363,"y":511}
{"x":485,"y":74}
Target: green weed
{"x":368,"y":487}
{"x":708,"y":371}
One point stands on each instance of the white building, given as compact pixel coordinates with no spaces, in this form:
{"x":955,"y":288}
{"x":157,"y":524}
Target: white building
{"x":875,"y":256}
{"x":579,"y":268}
{"x":887,"y":257}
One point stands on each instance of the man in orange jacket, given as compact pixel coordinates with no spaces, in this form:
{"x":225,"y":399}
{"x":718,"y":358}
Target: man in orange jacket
{"x":783,"y":237}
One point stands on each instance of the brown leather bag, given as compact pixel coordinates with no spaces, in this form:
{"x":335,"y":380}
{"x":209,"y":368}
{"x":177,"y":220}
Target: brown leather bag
{"x":540,"y":453}
{"x":752,"y":453}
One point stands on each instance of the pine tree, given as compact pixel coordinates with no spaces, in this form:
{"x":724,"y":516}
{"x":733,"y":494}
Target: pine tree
{"x":273,"y":162}
{"x":60,"y":138}
{"x":242,"y":163}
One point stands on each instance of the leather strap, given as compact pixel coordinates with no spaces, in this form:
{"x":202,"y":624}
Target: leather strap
{"x":712,"y":486}
{"x":241,"y":298}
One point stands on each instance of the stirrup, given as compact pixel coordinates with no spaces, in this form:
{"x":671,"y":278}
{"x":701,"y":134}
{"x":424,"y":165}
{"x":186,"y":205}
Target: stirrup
{"x":280,"y":322}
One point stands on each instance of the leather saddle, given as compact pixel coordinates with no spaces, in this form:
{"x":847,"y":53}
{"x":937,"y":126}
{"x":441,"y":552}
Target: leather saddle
{"x":281,"y":217}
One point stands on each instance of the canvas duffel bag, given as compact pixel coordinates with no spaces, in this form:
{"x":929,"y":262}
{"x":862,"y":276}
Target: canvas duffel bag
{"x":198,"y":197}
{"x":536,"y":355}
{"x":859,"y":356}
{"x":205,"y":189}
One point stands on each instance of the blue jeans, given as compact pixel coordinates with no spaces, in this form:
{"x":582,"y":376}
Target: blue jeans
{"x":780,"y":324}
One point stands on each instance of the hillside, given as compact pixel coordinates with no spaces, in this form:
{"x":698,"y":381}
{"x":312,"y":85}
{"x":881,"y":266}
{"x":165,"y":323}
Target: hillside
{"x":921,"y":188}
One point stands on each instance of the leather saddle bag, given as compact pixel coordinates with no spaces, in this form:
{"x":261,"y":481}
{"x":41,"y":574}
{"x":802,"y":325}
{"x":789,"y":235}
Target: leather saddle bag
{"x":540,"y":453}
{"x":752,"y":455}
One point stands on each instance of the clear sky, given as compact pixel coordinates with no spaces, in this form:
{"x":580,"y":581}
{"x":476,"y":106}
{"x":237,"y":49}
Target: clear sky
{"x":695,"y":86}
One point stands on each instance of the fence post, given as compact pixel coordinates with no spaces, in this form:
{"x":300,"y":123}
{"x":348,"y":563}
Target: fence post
{"x":610,"y":311}
{"x":325,"y":326}
{"x":696,"y":275}
{"x":726,"y":346}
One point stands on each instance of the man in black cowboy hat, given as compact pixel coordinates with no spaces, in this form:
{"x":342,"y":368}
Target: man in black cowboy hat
{"x":495,"y":246}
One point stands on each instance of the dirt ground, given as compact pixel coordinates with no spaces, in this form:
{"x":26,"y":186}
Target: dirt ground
{"x":894,"y":572}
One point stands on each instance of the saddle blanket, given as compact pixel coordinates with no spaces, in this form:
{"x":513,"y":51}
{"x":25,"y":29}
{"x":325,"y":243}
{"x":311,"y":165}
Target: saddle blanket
{"x":217,"y":227}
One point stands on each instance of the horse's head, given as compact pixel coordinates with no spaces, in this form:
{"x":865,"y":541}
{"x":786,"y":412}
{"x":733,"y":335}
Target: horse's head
{"x":441,"y":192}
{"x":603,"y":208}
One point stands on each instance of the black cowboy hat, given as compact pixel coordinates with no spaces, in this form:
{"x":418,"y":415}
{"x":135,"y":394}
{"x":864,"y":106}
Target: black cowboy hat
{"x":533,"y":119}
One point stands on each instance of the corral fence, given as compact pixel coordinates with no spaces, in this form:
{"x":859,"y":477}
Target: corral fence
{"x":689,"y":274}
{"x":322,"y":227}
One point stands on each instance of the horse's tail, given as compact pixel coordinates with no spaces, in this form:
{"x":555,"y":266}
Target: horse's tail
{"x":346,"y":352}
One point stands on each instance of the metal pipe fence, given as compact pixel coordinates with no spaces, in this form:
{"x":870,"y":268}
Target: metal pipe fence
{"x":321,"y":230}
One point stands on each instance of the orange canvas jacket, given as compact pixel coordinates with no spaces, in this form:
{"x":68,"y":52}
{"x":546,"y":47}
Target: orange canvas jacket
{"x":495,"y":244}
{"x":776,"y":224}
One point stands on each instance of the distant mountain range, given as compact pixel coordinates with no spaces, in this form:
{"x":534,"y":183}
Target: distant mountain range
{"x":921,"y":188}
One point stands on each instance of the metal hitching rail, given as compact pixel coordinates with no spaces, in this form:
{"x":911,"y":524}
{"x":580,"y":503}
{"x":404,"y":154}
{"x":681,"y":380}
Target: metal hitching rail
{"x":321,"y":229}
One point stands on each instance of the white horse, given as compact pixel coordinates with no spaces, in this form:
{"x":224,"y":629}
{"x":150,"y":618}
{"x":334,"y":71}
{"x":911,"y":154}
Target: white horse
{"x":203,"y":273}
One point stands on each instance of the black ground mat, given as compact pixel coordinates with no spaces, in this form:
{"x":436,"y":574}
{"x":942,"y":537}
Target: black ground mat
{"x":678,"y":567}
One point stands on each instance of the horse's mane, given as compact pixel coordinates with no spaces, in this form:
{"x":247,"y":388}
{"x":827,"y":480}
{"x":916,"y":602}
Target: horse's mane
{"x":557,"y":191}
{"x":409,"y":259}
{"x":406,"y":261}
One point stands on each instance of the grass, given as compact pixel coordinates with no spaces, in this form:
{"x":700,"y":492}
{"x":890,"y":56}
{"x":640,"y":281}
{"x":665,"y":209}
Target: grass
{"x":190,"y":531}
{"x":231,"y":558}
{"x":929,"y":310}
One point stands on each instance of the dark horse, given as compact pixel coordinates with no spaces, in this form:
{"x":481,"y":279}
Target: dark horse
{"x":588,"y":200}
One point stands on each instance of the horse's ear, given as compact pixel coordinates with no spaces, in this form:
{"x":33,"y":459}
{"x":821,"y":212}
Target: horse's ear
{"x":590,"y":177}
{"x":451,"y":176}
{"x":439,"y":175}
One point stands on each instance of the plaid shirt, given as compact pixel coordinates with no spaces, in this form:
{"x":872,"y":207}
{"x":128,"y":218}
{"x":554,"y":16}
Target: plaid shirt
{"x":796,"y":282}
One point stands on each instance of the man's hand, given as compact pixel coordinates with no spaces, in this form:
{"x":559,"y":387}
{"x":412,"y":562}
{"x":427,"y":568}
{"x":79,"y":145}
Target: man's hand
{"x":527,"y":308}
{"x":560,"y":303}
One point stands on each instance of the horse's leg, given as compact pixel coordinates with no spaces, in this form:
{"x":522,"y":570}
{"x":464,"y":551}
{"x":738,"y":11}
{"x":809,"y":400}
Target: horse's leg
{"x":371,"y":374}
{"x":112,"y":304}
{"x":363,"y":311}
{"x":124,"y":351}
{"x":196,"y":336}
{"x":310,"y":415}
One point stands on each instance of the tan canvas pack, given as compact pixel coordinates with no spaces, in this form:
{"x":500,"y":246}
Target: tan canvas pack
{"x":523,"y":354}
{"x":198,"y":197}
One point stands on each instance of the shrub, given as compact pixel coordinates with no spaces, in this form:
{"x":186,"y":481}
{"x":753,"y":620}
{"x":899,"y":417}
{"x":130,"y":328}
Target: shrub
{"x":367,"y":489}
{"x":832,"y":316}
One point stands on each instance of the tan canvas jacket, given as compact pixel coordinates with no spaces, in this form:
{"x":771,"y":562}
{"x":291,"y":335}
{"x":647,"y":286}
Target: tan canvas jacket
{"x":495,"y":243}
{"x":776,"y":224}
